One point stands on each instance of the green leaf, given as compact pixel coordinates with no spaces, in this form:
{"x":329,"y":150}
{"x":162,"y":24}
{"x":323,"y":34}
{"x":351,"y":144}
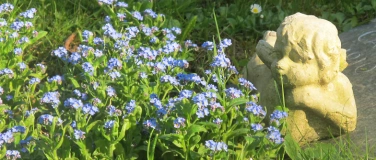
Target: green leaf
{"x":249,"y":139}
{"x":160,"y":20}
{"x":83,"y":149}
{"x":240,"y":19}
{"x":48,"y":156}
{"x":232,"y":22}
{"x":91,"y":125}
{"x":53,"y":126}
{"x":172,"y":23}
{"x":194,"y":140}
{"x":340,"y":17}
{"x":73,"y":81}
{"x":176,"y":139}
{"x":367,"y":7}
{"x":58,"y":145}
{"x":174,"y":151}
{"x":202,"y":150}
{"x":3,"y":124}
{"x":292,"y":148}
{"x":17,"y":137}
{"x":119,"y":151}
{"x":192,"y":130}
{"x":254,"y":142}
{"x":237,"y":101}
{"x":189,"y":28}
{"x":151,"y":149}
{"x":281,"y":108}
{"x":40,"y":35}
{"x":146,"y":5}
{"x":125,"y":127}
{"x":104,"y":134}
{"x":112,"y":14}
{"x":189,"y":59}
{"x":37,"y":75}
{"x":101,"y":93}
{"x":99,"y":61}
{"x":194,"y":155}
{"x":47,"y":140}
{"x":235,"y":133}
{"x":137,"y":112}
{"x":354,"y":21}
{"x":208,"y":125}
{"x":222,"y":11}
{"x":29,"y":121}
{"x":3,"y":152}
{"x":171,"y":137}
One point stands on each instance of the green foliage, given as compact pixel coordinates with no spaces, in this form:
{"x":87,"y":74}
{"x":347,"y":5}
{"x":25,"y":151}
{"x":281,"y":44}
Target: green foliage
{"x":237,"y":22}
{"x":126,"y":89}
{"x":196,"y":19}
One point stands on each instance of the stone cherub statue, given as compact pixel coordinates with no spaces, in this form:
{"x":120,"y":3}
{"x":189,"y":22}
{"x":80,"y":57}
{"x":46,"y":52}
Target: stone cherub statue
{"x":306,"y":52}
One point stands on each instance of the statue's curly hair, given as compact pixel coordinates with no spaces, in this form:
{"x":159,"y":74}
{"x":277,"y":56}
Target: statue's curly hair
{"x":315,"y":38}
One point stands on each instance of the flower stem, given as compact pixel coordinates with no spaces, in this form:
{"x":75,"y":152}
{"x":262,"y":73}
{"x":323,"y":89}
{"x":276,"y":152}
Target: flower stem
{"x":111,"y":150}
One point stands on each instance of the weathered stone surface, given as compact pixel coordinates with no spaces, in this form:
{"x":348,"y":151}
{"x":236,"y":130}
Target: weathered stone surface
{"x":307,"y":54}
{"x":360,"y":44}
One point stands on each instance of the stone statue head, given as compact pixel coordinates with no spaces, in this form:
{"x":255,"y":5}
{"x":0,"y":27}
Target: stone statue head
{"x":308,"y":51}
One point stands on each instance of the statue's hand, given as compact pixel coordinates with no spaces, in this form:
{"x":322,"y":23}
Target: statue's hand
{"x":270,"y":37}
{"x":265,"y":48}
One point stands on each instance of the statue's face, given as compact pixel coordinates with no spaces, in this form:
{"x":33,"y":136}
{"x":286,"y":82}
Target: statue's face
{"x":296,"y":64}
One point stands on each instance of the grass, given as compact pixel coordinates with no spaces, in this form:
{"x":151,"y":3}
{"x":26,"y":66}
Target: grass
{"x":234,"y":18}
{"x":235,"y":21}
{"x":60,"y":19}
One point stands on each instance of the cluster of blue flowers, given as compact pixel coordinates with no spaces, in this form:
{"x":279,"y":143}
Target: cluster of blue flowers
{"x":277,"y":115}
{"x":78,"y":134}
{"x":256,"y":127}
{"x":7,"y":71}
{"x":57,"y":78}
{"x":13,"y":154}
{"x":113,"y":111}
{"x":109,"y":124}
{"x":255,"y":109}
{"x":221,"y":61}
{"x":151,"y":123}
{"x":108,"y":2}
{"x":246,"y":84}
{"x":233,"y":93}
{"x":274,"y":135}
{"x":129,"y":107}
{"x":216,"y":146}
{"x":73,"y":103}
{"x":6,"y":137}
{"x":6,"y":8}
{"x":29,"y":13}
{"x":179,"y":122}
{"x":51,"y":98}
{"x":139,"y":64}
{"x":48,"y":119}
{"x":89,"y":109}
{"x":34,"y":80}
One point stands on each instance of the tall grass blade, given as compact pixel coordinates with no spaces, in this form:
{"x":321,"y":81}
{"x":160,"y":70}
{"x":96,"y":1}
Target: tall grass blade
{"x":189,"y":28}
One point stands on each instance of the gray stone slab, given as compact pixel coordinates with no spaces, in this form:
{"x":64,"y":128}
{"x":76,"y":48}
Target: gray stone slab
{"x":360,"y":44}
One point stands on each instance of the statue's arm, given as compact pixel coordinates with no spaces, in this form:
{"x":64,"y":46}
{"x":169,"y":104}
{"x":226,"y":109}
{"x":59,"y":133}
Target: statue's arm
{"x":341,"y":112}
{"x":265,"y":48}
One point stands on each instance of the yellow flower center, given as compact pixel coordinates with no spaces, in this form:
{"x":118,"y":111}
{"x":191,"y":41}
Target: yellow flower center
{"x":255,"y":10}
